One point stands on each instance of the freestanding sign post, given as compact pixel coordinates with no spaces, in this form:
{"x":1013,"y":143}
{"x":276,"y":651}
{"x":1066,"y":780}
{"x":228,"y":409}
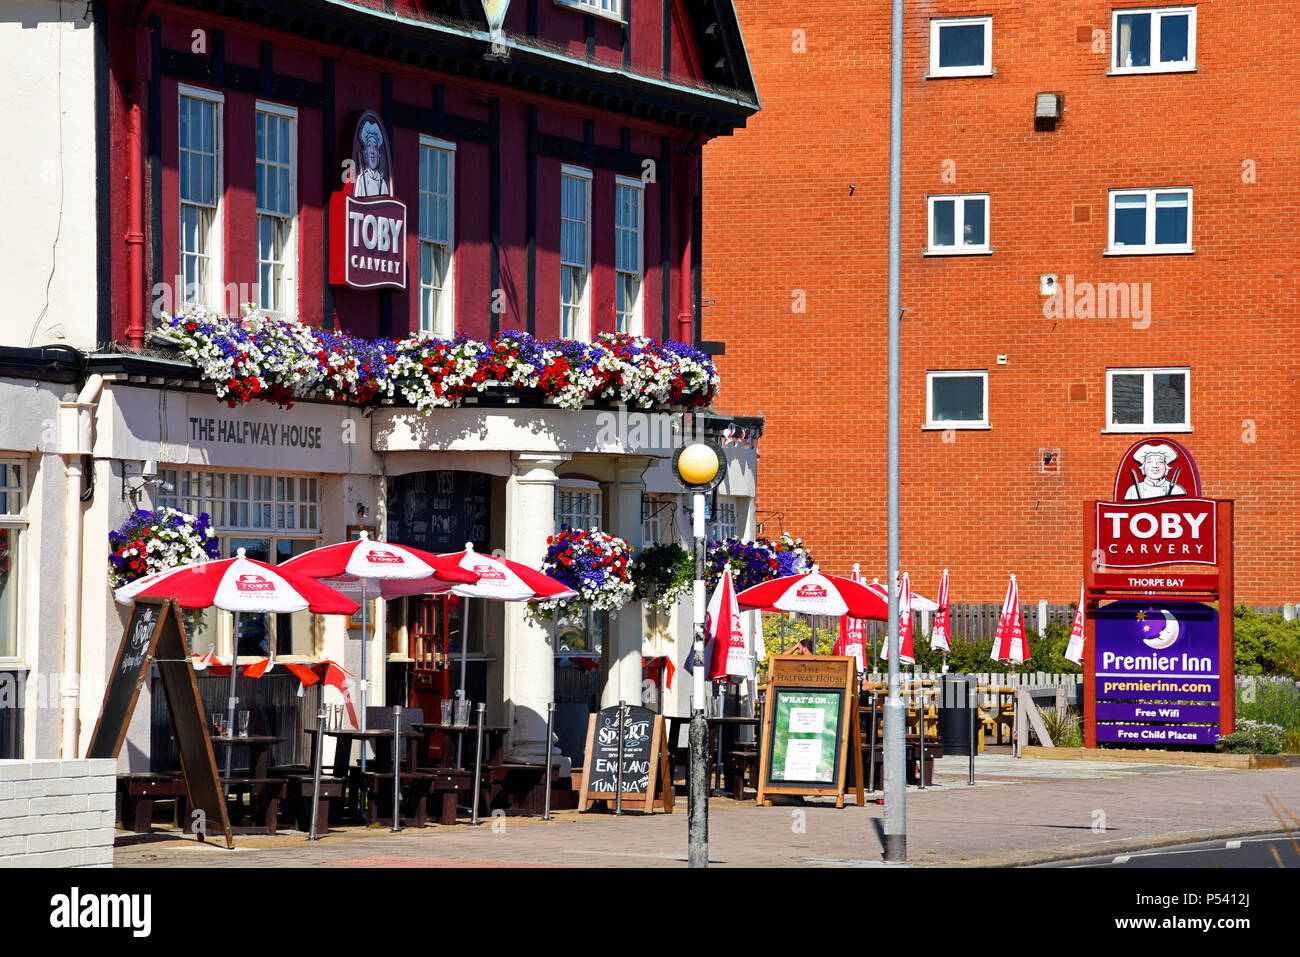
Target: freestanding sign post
{"x":1159,"y":665}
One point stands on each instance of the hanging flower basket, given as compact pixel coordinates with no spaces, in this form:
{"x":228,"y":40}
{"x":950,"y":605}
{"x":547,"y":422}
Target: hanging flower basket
{"x":753,"y":563}
{"x":150,"y":541}
{"x":663,"y":574}
{"x":593,"y":564}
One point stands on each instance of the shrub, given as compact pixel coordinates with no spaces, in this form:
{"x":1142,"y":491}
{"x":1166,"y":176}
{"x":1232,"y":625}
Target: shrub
{"x":1276,"y":701}
{"x":1252,"y":737}
{"x":1062,"y":727}
{"x":1266,"y":644}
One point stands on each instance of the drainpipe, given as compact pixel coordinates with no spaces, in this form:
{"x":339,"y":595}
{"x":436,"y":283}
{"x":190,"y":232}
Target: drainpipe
{"x":75,"y":420}
{"x":135,"y":172}
{"x":686,"y":213}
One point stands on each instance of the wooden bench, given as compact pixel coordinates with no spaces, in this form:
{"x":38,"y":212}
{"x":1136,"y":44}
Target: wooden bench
{"x":445,"y":790}
{"x":260,"y":814}
{"x":911,"y":760}
{"x":138,"y":793}
{"x":379,"y":800}
{"x":739,"y":764}
{"x":520,"y":789}
{"x":298,"y":795}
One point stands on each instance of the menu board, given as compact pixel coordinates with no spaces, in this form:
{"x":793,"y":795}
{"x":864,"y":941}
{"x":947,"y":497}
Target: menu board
{"x":439,"y":511}
{"x":139,"y":640}
{"x":643,"y":761}
{"x":810,"y":728}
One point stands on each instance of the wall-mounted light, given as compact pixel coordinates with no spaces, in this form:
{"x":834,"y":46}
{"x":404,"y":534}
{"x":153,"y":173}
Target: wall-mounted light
{"x":147,"y":477}
{"x":361,"y":510}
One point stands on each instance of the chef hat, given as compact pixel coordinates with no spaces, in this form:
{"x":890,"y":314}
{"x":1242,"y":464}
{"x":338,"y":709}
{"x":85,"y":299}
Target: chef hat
{"x":1147,"y":450}
{"x":371,"y":130}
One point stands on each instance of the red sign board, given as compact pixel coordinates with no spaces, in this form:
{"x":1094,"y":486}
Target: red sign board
{"x":368,"y":236}
{"x":1169,"y":531}
{"x":1152,"y":583}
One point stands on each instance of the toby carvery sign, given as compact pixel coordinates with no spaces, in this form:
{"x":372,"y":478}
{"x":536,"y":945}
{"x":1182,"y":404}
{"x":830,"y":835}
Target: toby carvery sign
{"x":367,"y":224}
{"x":1157,"y":517}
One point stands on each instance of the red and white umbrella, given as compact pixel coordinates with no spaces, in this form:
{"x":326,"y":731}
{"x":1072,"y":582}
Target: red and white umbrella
{"x":853,"y":633}
{"x":389,"y":569}
{"x":1074,"y":650}
{"x":919,"y":603}
{"x":906,"y":654}
{"x":722,"y":625}
{"x":816,"y":594}
{"x":940,"y":638}
{"x":244,"y":586}
{"x":1009,"y":644}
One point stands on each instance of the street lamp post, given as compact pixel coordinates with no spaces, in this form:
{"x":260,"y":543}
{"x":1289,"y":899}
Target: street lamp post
{"x":699,"y":467}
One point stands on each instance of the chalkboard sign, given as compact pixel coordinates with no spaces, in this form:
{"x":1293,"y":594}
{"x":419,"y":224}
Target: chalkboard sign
{"x":440,"y":511}
{"x":139,"y":642}
{"x":155,"y":632}
{"x":645,"y":766}
{"x":810,"y":728}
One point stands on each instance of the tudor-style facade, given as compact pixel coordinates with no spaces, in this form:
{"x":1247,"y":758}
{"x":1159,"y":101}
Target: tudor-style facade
{"x":549,"y":175}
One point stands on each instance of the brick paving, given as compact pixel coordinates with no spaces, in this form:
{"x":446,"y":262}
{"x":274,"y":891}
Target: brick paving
{"x":1019,"y":812}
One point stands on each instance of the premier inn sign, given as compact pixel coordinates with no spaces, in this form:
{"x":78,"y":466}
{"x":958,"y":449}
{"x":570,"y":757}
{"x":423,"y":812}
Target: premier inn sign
{"x":1157,"y":520}
{"x":368,"y":236}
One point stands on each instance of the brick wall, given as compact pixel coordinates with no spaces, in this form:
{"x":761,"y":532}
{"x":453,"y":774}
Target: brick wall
{"x":780,"y":221}
{"x":57,"y":813}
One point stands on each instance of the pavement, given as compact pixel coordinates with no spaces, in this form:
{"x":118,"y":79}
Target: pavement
{"x":1019,"y":812}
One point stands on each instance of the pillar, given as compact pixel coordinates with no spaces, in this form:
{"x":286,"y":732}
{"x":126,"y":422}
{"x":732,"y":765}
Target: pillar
{"x":623,"y":678}
{"x":529,"y":666}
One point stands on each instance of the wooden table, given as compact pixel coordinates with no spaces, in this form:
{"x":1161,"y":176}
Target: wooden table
{"x":494,"y":737}
{"x":378,"y":769}
{"x":264,"y":790}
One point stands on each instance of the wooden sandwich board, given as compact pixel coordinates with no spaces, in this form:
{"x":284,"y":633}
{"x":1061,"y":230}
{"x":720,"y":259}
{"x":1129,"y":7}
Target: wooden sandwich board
{"x":810,"y":728}
{"x":647,"y":780}
{"x":155,"y":632}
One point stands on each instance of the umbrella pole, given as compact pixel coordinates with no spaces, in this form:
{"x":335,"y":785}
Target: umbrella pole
{"x":812,"y":619}
{"x":364,"y":654}
{"x":464,"y":644}
{"x":783,"y":634}
{"x":230,"y":703}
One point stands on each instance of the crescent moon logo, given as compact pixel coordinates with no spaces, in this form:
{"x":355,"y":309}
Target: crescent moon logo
{"x":1168,"y":634}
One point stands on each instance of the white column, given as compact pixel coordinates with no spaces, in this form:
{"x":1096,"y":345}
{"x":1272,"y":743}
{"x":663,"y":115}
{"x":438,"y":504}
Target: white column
{"x":529,"y":666}
{"x":623,"y":680}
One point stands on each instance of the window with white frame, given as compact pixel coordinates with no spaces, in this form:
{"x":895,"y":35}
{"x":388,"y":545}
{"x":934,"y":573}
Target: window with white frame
{"x":959,"y":224}
{"x":272,"y":517}
{"x":437,"y":245}
{"x":1150,"y":221}
{"x":277,"y":208}
{"x":658,"y":514}
{"x":961,"y":46}
{"x":1153,"y":40}
{"x":722,"y":520}
{"x":610,"y":9}
{"x":1147,"y":400}
{"x":575,"y":252}
{"x":957,"y":400}
{"x":629,"y":203}
{"x":13,"y":522}
{"x":199,"y":166}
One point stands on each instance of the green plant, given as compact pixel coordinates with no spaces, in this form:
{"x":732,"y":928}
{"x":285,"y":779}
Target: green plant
{"x":1252,"y":737}
{"x":1291,"y":742}
{"x":1062,"y":727}
{"x":1266,"y":644}
{"x":1274,"y":700}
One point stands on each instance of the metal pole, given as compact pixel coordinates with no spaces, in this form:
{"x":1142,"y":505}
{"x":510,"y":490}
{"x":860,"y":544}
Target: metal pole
{"x":972,"y":705}
{"x":550,"y":723}
{"x":921,"y":714}
{"x":783,"y":633}
{"x":464,"y":644}
{"x":622,"y":740}
{"x":365,"y":653}
{"x":397,"y":767}
{"x":871,"y":764}
{"x":478,"y":759}
{"x":321,"y":716}
{"x":895,"y":831}
{"x":698,"y":811}
{"x":232,"y":700}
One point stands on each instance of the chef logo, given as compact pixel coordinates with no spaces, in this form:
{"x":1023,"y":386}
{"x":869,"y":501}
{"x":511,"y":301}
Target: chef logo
{"x":1156,"y":468}
{"x":254,"y":583}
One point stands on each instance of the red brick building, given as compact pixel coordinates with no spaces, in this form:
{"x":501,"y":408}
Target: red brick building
{"x":1161,"y":200}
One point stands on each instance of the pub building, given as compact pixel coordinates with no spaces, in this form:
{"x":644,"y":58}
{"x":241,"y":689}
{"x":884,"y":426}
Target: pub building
{"x":386,"y":169}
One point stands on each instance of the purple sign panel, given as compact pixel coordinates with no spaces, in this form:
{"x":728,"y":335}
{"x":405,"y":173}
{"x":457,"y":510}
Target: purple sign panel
{"x":1158,"y":734}
{"x":1149,"y":654}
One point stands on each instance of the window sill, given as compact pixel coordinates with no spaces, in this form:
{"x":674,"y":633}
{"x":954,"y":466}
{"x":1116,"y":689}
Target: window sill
{"x":1145,"y":429}
{"x":14,"y":664}
{"x":1149,"y":70}
{"x":962,"y":74}
{"x":1148,"y":251}
{"x":981,"y":251}
{"x":963,"y":426}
